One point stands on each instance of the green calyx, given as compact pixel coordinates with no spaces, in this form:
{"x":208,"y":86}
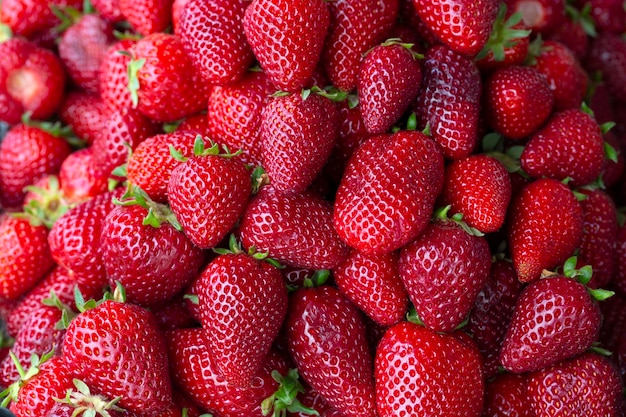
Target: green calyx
{"x":86,"y":404}
{"x":405,"y":45}
{"x":583,"y":275}
{"x":259,"y":179}
{"x":157,"y":213}
{"x":134,"y":65}
{"x":48,"y":207}
{"x":583,"y":18}
{"x":235,"y":247}
{"x":118,"y":295}
{"x":66,"y":15}
{"x":319,"y":278}
{"x":67,"y":314}
{"x":441,"y":214}
{"x":285,"y":399}
{"x":11,"y":393}
{"x":204,"y":147}
{"x":503,"y":35}
{"x":5,"y":32}
{"x":55,"y":129}
{"x":332,"y":93}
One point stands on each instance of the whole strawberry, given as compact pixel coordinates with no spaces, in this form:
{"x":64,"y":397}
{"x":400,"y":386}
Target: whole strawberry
{"x":208,"y":193}
{"x":85,"y":112}
{"x":418,"y":371}
{"x":287,"y":37}
{"x":386,"y":196}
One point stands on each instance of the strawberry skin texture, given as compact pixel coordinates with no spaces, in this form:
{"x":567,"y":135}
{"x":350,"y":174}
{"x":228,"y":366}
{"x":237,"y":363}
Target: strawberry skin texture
{"x":388,"y":191}
{"x":113,"y":78}
{"x":555,"y":318}
{"x":507,"y":395}
{"x":462,"y":25}
{"x":212,"y":34}
{"x":588,"y":385}
{"x":208,"y":195}
{"x":242,"y":305}
{"x":544,"y":227}
{"x":118,"y":350}
{"x":607,"y":54}
{"x":85,"y":112}
{"x":327,"y":340}
{"x":287,"y":37}
{"x":147,"y":16}
{"x":296,"y":229}
{"x":449,"y":101}
{"x":418,"y":371}
{"x":297,"y":137}
{"x":81,"y":177}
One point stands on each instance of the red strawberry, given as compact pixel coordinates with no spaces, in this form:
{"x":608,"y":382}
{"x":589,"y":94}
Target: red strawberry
{"x":24,"y":256}
{"x":388,"y":82}
{"x":507,"y":395}
{"x":195,"y":123}
{"x":287,"y":37}
{"x":544,"y":227}
{"x":81,"y":177}
{"x":240,"y":319}
{"x":113,"y":77}
{"x":542,"y":16}
{"x":570,"y":145}
{"x":372,"y":283}
{"x":418,"y":371}
{"x":213,"y":36}
{"x":31,"y":18}
{"x":588,"y":385}
{"x":327,"y":341}
{"x":575,"y":32}
{"x":517,"y":100}
{"x":298,"y":134}
{"x":609,"y":16}
{"x":85,"y":112}
{"x":108,"y":9}
{"x":356,"y":27}
{"x":607,"y":55}
{"x":117,"y":349}
{"x":33,"y":80}
{"x":234,"y":114}
{"x":449,"y":101}
{"x":388,"y":191}
{"x":295,"y":229}
{"x":461,"y":25}
{"x":208,"y":194}
{"x":147,"y":16}
{"x":619,"y":279}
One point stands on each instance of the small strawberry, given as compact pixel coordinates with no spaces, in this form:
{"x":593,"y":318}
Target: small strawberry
{"x":287,"y":38}
{"x":507,"y":395}
{"x":85,"y":112}
{"x":449,"y":101}
{"x":81,"y":177}
{"x":212,"y":34}
{"x":544,"y":227}
{"x":607,"y":55}
{"x":461,"y":25}
{"x":541,"y":16}
{"x":388,"y":191}
{"x":327,"y":341}
{"x":609,"y":15}
{"x":418,"y":370}
{"x":108,"y":10}
{"x":208,"y":193}
{"x":147,"y":16}
{"x":295,"y":229}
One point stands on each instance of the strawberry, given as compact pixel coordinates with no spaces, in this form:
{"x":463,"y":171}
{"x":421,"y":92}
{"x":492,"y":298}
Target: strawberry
{"x":461,"y":25}
{"x":356,"y":27}
{"x":298,"y":133}
{"x":85,"y":112}
{"x":117,"y":349}
{"x":287,"y":38}
{"x":588,"y":385}
{"x":607,"y":55}
{"x":575,"y":32}
{"x":542,"y":16}
{"x":570,"y":145}
{"x":517,"y":100}
{"x":479,"y":187}
{"x":373,"y":284}
{"x":212,"y":34}
{"x":33,"y":80}
{"x":108,"y":10}
{"x":24,"y":255}
{"x":388,"y":82}
{"x":32,"y":18}
{"x":194,"y":370}
{"x":147,"y":16}
{"x":418,"y":371}
{"x":208,"y":193}
{"x":544,"y":227}
{"x":449,"y":101}
{"x":388,"y":191}
{"x":240,"y":320}
{"x":81,"y":178}
{"x":608,"y":15}
{"x":619,"y":279}
{"x":295,"y":229}
{"x":235,"y":112}
{"x":113,"y":77}
{"x":82,"y":48}
{"x":195,"y":123}
{"x":507,"y":395}
{"x":327,"y":341}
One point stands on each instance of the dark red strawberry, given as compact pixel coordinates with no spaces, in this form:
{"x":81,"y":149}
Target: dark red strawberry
{"x":575,"y":31}
{"x":33,"y":80}
{"x":372,"y":283}
{"x":327,"y":340}
{"x":287,"y":37}
{"x":418,"y":371}
{"x":295,"y":229}
{"x":542,"y":16}
{"x":213,"y":36}
{"x":609,"y":16}
{"x":544,"y":227}
{"x":32,"y":18}
{"x":298,"y":133}
{"x":507,"y":395}
{"x":147,"y":16}
{"x":114,"y":75}
{"x":85,"y":112}
{"x":517,"y":100}
{"x":234,"y":114}
{"x":388,"y":82}
{"x":588,"y":385}
{"x":607,"y":55}
{"x":388,"y":191}
{"x":619,"y":279}
{"x":208,"y":193}
{"x":461,"y":25}
{"x":356,"y":27}
{"x":449,"y":101}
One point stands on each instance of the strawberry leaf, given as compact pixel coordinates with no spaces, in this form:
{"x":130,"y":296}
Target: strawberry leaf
{"x":133,"y":80}
{"x":600,"y":294}
{"x":285,"y":398}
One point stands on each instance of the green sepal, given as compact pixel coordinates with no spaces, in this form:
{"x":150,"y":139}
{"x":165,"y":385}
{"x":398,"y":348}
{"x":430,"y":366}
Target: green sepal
{"x":157,"y":213}
{"x":67,"y":314}
{"x":586,"y":109}
{"x":411,"y":122}
{"x":133,"y":80}
{"x":259,"y":179}
{"x":88,"y":7}
{"x":193,"y":298}
{"x":582,"y":17}
{"x":235,"y":247}
{"x":600,"y":294}
{"x":171,"y":127}
{"x":442,"y":214}
{"x":285,"y":398}
{"x":66,"y":15}
{"x":413,"y":317}
{"x":493,"y":142}
{"x":595,"y":347}
{"x":12,"y":391}
{"x":177,"y":155}
{"x":200,"y":148}
{"x":5,"y":32}
{"x":124,"y":34}
{"x":48,"y":207}
{"x":319,"y":278}
{"x":86,"y":404}
{"x":582,"y":274}
{"x":56,"y":129}
{"x":607,"y":126}
{"x":332,"y":93}
{"x":502,"y":35}
{"x":427,"y":131}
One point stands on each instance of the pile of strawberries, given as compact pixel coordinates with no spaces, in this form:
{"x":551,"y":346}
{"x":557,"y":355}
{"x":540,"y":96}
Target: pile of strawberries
{"x":347,"y":208}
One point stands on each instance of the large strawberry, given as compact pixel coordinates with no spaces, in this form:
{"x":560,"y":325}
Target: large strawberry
{"x":327,"y":340}
{"x":287,"y":37}
{"x":418,"y":371}
{"x":388,"y":191}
